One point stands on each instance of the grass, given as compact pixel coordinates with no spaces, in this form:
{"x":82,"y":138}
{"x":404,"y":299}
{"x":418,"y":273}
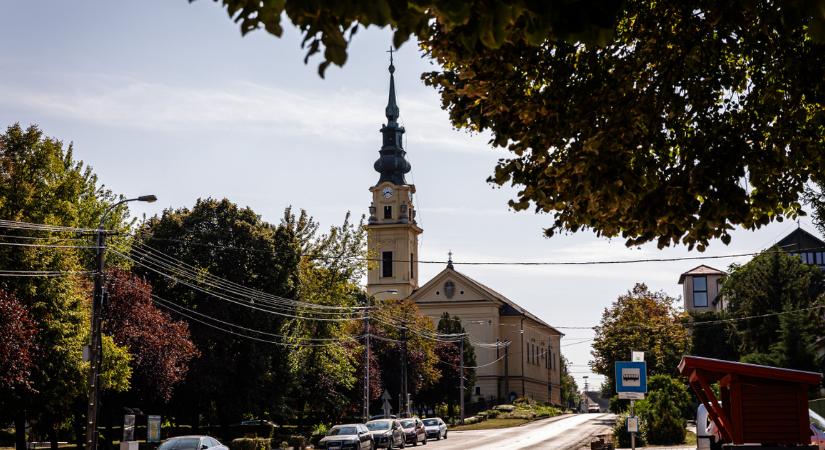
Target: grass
{"x":690,"y":439}
{"x":491,"y":424}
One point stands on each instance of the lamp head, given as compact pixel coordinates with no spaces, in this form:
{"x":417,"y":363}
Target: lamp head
{"x":147,"y":198}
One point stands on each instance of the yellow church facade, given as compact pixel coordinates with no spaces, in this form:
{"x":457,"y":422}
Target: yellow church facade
{"x":517,"y":353}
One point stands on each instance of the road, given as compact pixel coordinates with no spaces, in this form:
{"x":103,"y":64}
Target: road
{"x":569,"y":432}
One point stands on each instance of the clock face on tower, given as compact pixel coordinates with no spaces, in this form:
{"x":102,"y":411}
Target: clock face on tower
{"x":387,"y":192}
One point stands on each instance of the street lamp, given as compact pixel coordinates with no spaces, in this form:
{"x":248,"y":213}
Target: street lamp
{"x":367,"y":351}
{"x":95,"y":347}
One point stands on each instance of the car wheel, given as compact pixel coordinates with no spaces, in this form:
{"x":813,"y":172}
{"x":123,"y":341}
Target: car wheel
{"x":389,"y":446}
{"x":445,"y":434}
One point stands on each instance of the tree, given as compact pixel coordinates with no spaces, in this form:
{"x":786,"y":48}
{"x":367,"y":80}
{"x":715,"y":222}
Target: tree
{"x":664,"y":409}
{"x":605,"y":132}
{"x":449,"y":356}
{"x":393,"y":320}
{"x":640,"y":320}
{"x":17,"y":352}
{"x":234,"y":375}
{"x":569,"y":389}
{"x":716,"y":338}
{"x":332,"y":265}
{"x":161,"y":348}
{"x":41,"y":182}
{"x":771,"y":286}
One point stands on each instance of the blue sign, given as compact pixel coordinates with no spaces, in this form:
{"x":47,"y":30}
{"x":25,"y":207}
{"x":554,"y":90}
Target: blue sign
{"x":631,"y":376}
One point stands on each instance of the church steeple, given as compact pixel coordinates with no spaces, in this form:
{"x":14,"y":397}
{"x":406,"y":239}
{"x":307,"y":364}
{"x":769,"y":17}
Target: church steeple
{"x":391,"y":164}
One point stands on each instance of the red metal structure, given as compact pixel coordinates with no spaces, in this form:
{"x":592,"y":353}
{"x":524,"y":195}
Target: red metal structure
{"x":759,"y":404}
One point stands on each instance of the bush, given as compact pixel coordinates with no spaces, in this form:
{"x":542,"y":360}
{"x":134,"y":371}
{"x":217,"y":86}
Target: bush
{"x":622,"y":437}
{"x":663,"y":409}
{"x":250,"y":444}
{"x":505,"y":408}
{"x":7,"y":437}
{"x":492,"y":413}
{"x":264,"y":430}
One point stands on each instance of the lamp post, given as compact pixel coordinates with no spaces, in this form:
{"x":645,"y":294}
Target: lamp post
{"x":367,"y":351}
{"x":95,"y":348}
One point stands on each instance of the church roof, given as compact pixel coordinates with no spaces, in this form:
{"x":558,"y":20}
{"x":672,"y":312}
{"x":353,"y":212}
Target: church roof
{"x":800,"y":240}
{"x":450,"y":270}
{"x":391,"y":164}
{"x":700,"y":270}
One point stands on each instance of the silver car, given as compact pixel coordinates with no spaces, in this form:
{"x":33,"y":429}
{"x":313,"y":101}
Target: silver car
{"x":352,"y":436}
{"x":192,"y":443}
{"x":435,"y":428}
{"x":387,"y":433}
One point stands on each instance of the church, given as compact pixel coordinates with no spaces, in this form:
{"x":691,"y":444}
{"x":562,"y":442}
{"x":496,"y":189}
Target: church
{"x":517,"y":353}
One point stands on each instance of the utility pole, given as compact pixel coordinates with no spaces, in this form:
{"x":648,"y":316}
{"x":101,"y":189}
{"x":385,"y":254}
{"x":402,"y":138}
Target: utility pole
{"x":507,"y":371}
{"x":405,"y":400}
{"x":95,"y":347}
{"x":367,"y":361}
{"x":461,"y":378}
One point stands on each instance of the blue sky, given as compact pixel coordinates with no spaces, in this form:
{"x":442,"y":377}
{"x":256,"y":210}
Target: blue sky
{"x":166,"y":97}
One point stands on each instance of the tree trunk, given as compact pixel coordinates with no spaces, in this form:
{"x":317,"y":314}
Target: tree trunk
{"x":20,"y":429}
{"x":79,"y":431}
{"x":53,"y":436}
{"x":195,"y":420}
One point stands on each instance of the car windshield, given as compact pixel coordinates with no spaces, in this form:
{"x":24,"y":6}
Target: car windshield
{"x":817,"y":421}
{"x":408,"y":423}
{"x":430,"y":422}
{"x":339,"y":431}
{"x":373,"y":426}
{"x":180,"y":444}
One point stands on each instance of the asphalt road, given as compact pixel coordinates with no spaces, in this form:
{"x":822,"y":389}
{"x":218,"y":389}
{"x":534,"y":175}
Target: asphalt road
{"x":565,"y":433}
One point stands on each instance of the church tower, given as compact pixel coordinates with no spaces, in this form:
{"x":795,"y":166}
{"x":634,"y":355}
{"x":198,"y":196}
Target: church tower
{"x":392,"y":231}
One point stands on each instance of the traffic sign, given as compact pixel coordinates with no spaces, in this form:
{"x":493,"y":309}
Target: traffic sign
{"x":637,"y":356}
{"x":633,"y":424}
{"x":631,"y":376}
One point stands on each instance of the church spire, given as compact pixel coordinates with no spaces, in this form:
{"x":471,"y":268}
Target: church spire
{"x":392,"y":107}
{"x":391,"y":164}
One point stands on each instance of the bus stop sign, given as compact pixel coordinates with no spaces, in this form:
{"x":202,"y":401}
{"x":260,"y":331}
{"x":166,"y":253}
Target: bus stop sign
{"x":631,"y":376}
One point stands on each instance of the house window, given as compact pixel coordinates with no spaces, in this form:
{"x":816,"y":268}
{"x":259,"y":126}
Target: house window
{"x":386,"y":264}
{"x":388,"y":212}
{"x":412,"y":270}
{"x":700,"y":292}
{"x":478,"y":390}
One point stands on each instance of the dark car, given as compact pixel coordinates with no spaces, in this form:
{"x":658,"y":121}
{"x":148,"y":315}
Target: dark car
{"x":435,"y":428}
{"x":352,"y":436}
{"x":387,"y":433}
{"x":414,"y":431}
{"x":192,"y":443}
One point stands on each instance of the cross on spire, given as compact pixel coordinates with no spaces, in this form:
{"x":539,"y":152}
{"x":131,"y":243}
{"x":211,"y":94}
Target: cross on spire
{"x":450,"y":259}
{"x":390,"y":51}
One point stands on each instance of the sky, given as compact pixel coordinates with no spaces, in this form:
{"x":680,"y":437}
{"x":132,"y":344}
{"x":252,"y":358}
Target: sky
{"x":165,"y":97}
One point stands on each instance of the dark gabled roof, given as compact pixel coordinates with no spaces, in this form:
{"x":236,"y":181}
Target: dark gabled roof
{"x":701,"y":270}
{"x":715,"y":369}
{"x":799,"y":239}
{"x":508,"y":305}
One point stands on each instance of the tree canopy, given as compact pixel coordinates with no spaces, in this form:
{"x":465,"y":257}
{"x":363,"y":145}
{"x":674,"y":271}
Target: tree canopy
{"x":645,"y":321}
{"x":785,"y":296}
{"x":665,"y":121}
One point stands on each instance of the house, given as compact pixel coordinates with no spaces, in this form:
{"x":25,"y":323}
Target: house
{"x":701,"y":289}
{"x":809,"y":248}
{"x":517,"y":353}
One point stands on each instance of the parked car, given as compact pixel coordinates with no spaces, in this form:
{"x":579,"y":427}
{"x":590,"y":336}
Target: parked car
{"x":435,"y":428}
{"x":707,"y":435}
{"x":387,"y":433}
{"x":414,"y":431}
{"x":192,"y":443}
{"x":818,"y":429}
{"x":593,"y":408}
{"x":351,"y":436}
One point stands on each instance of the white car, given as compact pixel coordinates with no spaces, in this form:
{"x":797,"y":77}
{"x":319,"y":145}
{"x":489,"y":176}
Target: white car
{"x":818,"y":429}
{"x":708,"y":434}
{"x":192,"y":443}
{"x":435,"y":428}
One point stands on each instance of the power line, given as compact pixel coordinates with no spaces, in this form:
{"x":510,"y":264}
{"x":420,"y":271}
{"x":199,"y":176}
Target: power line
{"x":43,"y":273}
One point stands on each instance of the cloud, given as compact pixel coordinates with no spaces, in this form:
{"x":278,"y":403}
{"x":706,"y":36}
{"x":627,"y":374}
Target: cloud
{"x":340,"y":116}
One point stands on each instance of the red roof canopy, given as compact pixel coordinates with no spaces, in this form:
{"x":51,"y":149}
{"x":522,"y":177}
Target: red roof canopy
{"x":715,"y":369}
